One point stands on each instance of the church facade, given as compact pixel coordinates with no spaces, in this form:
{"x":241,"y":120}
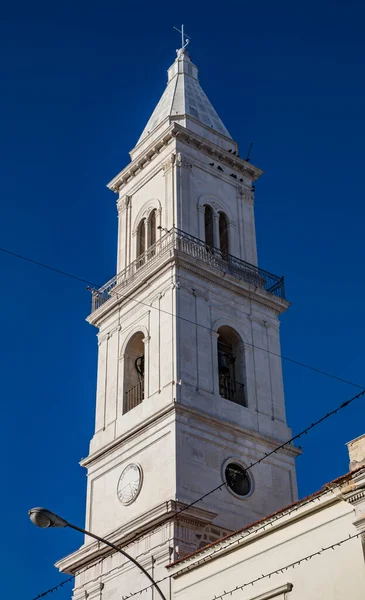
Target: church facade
{"x":189,"y":387}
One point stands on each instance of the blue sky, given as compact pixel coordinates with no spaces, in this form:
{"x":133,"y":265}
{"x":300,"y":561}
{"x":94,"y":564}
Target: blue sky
{"x":79,"y":81}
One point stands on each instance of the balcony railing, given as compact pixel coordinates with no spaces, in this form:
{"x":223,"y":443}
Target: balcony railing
{"x":134,"y":396}
{"x":231,"y":389}
{"x":181,"y":243}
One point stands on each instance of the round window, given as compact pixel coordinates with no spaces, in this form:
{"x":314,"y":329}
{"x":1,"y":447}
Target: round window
{"x":237,"y":479}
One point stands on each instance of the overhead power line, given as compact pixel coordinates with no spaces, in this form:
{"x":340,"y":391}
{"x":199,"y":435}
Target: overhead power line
{"x":45,"y":266}
{"x":280,"y":447}
{"x":95,"y":285}
{"x":54,"y":589}
{"x":236,"y":541}
{"x":291,"y":565}
{"x":223,"y":484}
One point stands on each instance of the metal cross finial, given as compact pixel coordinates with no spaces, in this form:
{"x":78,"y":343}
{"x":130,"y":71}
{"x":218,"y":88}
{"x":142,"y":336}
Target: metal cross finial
{"x":185,"y":39}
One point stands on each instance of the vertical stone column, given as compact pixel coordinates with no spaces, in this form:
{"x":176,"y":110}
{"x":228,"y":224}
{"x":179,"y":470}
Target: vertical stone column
{"x":354,"y":490}
{"x":147,"y":358}
{"x":215,"y":375}
{"x":249,"y":232}
{"x":201,"y":224}
{"x":262,"y":375}
{"x":217,"y":242}
{"x":123,"y":207}
{"x":101,"y":383}
{"x":183,"y":192}
{"x":275,"y":370}
{"x":170,"y":192}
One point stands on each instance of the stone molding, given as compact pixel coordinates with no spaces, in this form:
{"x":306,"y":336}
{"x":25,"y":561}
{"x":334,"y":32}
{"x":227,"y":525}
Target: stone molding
{"x":169,"y":163}
{"x":137,"y":530}
{"x":145,"y":211}
{"x":205,"y":272}
{"x":176,"y":131}
{"x":279,"y":591}
{"x":183,"y":161}
{"x":247,"y":195}
{"x":176,"y":411}
{"x":217,"y":204}
{"x":123,"y":203}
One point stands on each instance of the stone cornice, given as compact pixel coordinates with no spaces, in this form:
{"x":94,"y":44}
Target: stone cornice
{"x":210,"y":149}
{"x":206,"y":272}
{"x":176,"y":131}
{"x":240,"y":286}
{"x":173,"y":411}
{"x":144,"y":524}
{"x":235,"y":429}
{"x":264,"y":527}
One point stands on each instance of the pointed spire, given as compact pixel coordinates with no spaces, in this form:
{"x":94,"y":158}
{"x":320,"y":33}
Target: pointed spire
{"x":185,"y":102}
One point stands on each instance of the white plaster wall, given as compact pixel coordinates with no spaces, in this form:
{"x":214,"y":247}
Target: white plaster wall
{"x":203,"y":446}
{"x":199,"y":183}
{"x":153,"y":316}
{"x":205,"y":306}
{"x":150,"y":188}
{"x":114,"y":576}
{"x":154,"y":450}
{"x":336,"y":574}
{"x":181,"y":366}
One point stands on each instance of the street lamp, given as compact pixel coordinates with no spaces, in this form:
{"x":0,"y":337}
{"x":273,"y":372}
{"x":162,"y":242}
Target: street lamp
{"x":45,"y":518}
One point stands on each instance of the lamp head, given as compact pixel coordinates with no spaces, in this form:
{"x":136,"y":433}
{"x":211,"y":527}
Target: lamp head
{"x":45,"y":518}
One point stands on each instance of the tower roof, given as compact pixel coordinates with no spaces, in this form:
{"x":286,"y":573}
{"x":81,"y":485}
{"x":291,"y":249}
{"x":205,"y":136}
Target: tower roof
{"x":184,"y":100}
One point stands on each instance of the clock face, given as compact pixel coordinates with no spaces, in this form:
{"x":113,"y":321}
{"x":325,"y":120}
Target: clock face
{"x":129,"y":484}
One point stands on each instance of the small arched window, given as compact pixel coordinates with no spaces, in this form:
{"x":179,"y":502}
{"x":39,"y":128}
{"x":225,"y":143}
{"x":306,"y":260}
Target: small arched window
{"x":141,"y":241}
{"x":134,"y":372}
{"x":152,"y":230}
{"x":231,"y":367}
{"x":223,"y":234}
{"x":208,"y":225}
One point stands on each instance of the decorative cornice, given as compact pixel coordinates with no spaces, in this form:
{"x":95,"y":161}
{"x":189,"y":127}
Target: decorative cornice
{"x":183,"y":161}
{"x":354,"y":497}
{"x":229,"y":282}
{"x":176,"y":131}
{"x":133,"y":530}
{"x":169,"y":163}
{"x":247,"y":194}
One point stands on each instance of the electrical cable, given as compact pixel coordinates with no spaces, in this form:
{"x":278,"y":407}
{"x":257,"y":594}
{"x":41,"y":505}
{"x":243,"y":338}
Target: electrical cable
{"x":264,"y":457}
{"x":292,"y":565}
{"x":280,"y":447}
{"x":54,"y":589}
{"x":282,"y":357}
{"x":45,"y":266}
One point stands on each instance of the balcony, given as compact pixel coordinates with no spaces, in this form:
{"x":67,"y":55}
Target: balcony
{"x":134,"y":396}
{"x":179,"y":243}
{"x":231,"y":389}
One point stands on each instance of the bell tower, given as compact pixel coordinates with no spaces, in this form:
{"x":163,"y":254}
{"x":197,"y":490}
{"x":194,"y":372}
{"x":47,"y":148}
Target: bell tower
{"x":189,"y":387}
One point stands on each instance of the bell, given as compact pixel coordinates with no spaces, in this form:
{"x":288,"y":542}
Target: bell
{"x":139,"y":364}
{"x":223,"y":363}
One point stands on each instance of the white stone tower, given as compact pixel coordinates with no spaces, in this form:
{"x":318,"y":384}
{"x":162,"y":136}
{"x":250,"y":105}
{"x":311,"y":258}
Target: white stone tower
{"x":189,"y":388}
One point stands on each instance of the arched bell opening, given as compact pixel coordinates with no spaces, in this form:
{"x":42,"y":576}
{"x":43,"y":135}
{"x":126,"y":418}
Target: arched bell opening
{"x":208,"y":226}
{"x":231,"y":366}
{"x":134,"y":372}
{"x":141,"y":243}
{"x":223,"y":235}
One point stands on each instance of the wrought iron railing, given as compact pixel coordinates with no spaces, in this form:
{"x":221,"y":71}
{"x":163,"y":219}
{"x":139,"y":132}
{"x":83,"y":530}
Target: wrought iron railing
{"x":134,"y":396}
{"x":179,"y":242}
{"x":231,"y":389}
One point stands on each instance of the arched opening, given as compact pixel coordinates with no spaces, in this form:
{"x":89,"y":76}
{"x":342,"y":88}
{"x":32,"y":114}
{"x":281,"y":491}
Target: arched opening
{"x":208,"y":225}
{"x":152,"y":232}
{"x":231,"y":367}
{"x":223,"y":234}
{"x":134,"y":372}
{"x":141,"y":242}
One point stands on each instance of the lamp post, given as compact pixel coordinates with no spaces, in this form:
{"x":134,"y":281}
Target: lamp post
{"x":45,"y":518}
